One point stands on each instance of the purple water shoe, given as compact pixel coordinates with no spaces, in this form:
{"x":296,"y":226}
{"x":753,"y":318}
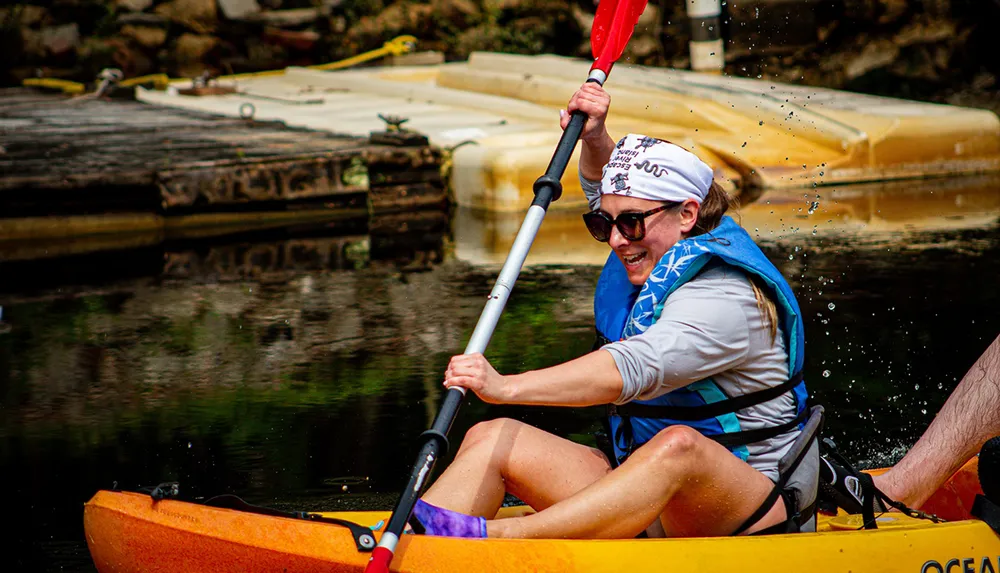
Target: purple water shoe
{"x":446,"y":523}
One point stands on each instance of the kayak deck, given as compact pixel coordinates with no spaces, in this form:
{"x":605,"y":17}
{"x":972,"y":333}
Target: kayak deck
{"x":129,"y":532}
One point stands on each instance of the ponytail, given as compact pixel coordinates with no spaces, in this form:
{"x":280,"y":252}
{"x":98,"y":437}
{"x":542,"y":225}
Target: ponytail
{"x":715,"y":205}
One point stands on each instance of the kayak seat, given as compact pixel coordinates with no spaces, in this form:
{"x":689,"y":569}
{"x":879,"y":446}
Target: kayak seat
{"x":797,"y":484}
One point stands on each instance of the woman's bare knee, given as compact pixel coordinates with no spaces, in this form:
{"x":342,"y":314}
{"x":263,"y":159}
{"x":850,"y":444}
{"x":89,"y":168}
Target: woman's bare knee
{"x":492,"y":441}
{"x":673,"y":445}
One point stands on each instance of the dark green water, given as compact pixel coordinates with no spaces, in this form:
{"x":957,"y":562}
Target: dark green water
{"x":297,"y":373}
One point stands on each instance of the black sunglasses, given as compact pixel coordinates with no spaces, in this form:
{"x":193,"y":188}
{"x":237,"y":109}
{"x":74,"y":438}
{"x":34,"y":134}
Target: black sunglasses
{"x":632,"y":226}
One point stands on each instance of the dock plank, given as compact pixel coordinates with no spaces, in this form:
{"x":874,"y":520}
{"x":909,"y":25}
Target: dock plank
{"x":165,"y":158}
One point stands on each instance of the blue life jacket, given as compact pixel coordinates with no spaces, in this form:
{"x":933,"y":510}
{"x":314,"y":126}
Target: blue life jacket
{"x":622,"y":310}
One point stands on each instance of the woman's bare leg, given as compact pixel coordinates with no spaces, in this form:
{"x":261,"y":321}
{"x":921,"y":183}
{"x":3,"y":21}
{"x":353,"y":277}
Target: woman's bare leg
{"x":969,"y":417}
{"x":509,"y":456}
{"x":694,"y":485}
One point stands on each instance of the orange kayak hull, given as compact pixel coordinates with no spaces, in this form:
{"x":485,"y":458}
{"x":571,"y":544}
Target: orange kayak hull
{"x":132,"y":533}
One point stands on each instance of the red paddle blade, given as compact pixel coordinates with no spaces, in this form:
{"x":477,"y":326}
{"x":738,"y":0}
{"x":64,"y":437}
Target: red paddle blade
{"x":613,"y":26}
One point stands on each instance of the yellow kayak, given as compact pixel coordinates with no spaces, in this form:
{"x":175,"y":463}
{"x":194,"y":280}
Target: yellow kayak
{"x":130,"y":532}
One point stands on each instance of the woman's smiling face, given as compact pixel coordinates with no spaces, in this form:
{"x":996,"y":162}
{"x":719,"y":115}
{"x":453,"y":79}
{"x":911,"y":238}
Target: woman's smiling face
{"x":663,"y":230}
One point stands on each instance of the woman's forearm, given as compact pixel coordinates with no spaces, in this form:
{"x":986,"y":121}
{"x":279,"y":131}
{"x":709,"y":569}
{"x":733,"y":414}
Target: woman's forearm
{"x":594,"y":155}
{"x":589,"y":380}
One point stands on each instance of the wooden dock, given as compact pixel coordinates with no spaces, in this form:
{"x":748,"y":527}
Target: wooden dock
{"x":72,"y":167}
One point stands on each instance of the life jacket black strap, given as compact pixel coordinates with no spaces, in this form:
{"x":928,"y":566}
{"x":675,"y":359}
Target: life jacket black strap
{"x":735,"y":439}
{"x":731,"y":440}
{"x":706,"y":411}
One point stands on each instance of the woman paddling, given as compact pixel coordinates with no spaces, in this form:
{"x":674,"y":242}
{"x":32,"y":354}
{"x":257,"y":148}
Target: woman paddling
{"x":702,"y":364}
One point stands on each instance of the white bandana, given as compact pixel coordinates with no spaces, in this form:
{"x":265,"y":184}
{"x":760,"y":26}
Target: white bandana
{"x":647,"y":168}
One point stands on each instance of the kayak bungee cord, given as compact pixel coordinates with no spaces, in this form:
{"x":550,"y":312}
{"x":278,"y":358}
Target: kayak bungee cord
{"x":613,"y":25}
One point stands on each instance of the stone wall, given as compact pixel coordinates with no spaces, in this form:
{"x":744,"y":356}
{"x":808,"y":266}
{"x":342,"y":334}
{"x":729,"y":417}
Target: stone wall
{"x":938,"y":50}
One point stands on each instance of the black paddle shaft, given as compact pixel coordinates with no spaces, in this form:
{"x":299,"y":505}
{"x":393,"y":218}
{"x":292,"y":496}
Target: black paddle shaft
{"x":547,"y":188}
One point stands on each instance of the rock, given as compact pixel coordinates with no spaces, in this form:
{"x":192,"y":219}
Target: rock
{"x":26,"y":15}
{"x":460,"y":12}
{"x":60,"y":40}
{"x":642,"y":46}
{"x":198,"y":15}
{"x":878,"y":54}
{"x":189,"y":54}
{"x":286,"y":18}
{"x":404,"y":17}
{"x":518,"y":37}
{"x":133,"y":5}
{"x":649,"y":20}
{"x":142,"y":19}
{"x":191,"y":48}
{"x":984,"y":81}
{"x":922,"y":32}
{"x":338,"y":24}
{"x":584,"y":20}
{"x":295,"y":39}
{"x":262,"y":56}
{"x":32,"y":46}
{"x":504,"y":5}
{"x":146,"y":36}
{"x":95,"y":54}
{"x":236,"y":9}
{"x":892,"y":10}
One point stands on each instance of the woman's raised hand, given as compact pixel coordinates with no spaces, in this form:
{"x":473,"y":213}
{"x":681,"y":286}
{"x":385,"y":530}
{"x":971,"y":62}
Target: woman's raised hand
{"x":592,"y":100}
{"x":474,"y":372}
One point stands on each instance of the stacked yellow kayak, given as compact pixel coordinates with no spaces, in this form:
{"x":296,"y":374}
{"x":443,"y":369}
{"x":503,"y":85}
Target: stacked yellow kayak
{"x":130,"y":532}
{"x":498,"y":113}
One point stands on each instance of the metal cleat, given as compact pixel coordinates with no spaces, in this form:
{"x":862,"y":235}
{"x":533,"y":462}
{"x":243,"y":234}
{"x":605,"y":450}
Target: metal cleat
{"x":396,"y":134}
{"x":109,"y":78}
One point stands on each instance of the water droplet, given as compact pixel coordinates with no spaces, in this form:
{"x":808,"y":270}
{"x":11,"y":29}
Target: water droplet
{"x":826,"y":374}
{"x":189,"y":445}
{"x":923,"y":411}
{"x":831,"y":306}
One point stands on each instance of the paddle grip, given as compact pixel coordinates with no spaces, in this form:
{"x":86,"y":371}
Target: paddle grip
{"x":548,"y":188}
{"x":379,"y":561}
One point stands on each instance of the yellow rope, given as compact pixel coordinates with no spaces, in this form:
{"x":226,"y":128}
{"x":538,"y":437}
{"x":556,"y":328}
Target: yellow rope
{"x":394,"y":47}
{"x":159,"y":81}
{"x":66,"y":86}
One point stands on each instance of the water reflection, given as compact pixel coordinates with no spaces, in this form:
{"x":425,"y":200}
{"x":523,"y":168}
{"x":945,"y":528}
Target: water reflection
{"x":296,"y":369}
{"x":859,"y":214}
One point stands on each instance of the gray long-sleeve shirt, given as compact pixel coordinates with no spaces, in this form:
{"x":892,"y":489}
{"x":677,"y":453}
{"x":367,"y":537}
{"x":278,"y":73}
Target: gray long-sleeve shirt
{"x":712,"y":327}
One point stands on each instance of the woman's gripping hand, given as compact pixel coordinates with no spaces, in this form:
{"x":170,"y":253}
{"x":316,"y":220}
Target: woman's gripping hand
{"x":592,"y":100}
{"x":474,"y":372}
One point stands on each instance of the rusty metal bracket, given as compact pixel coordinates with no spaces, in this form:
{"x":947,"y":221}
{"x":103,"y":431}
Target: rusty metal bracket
{"x":396,"y":134}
